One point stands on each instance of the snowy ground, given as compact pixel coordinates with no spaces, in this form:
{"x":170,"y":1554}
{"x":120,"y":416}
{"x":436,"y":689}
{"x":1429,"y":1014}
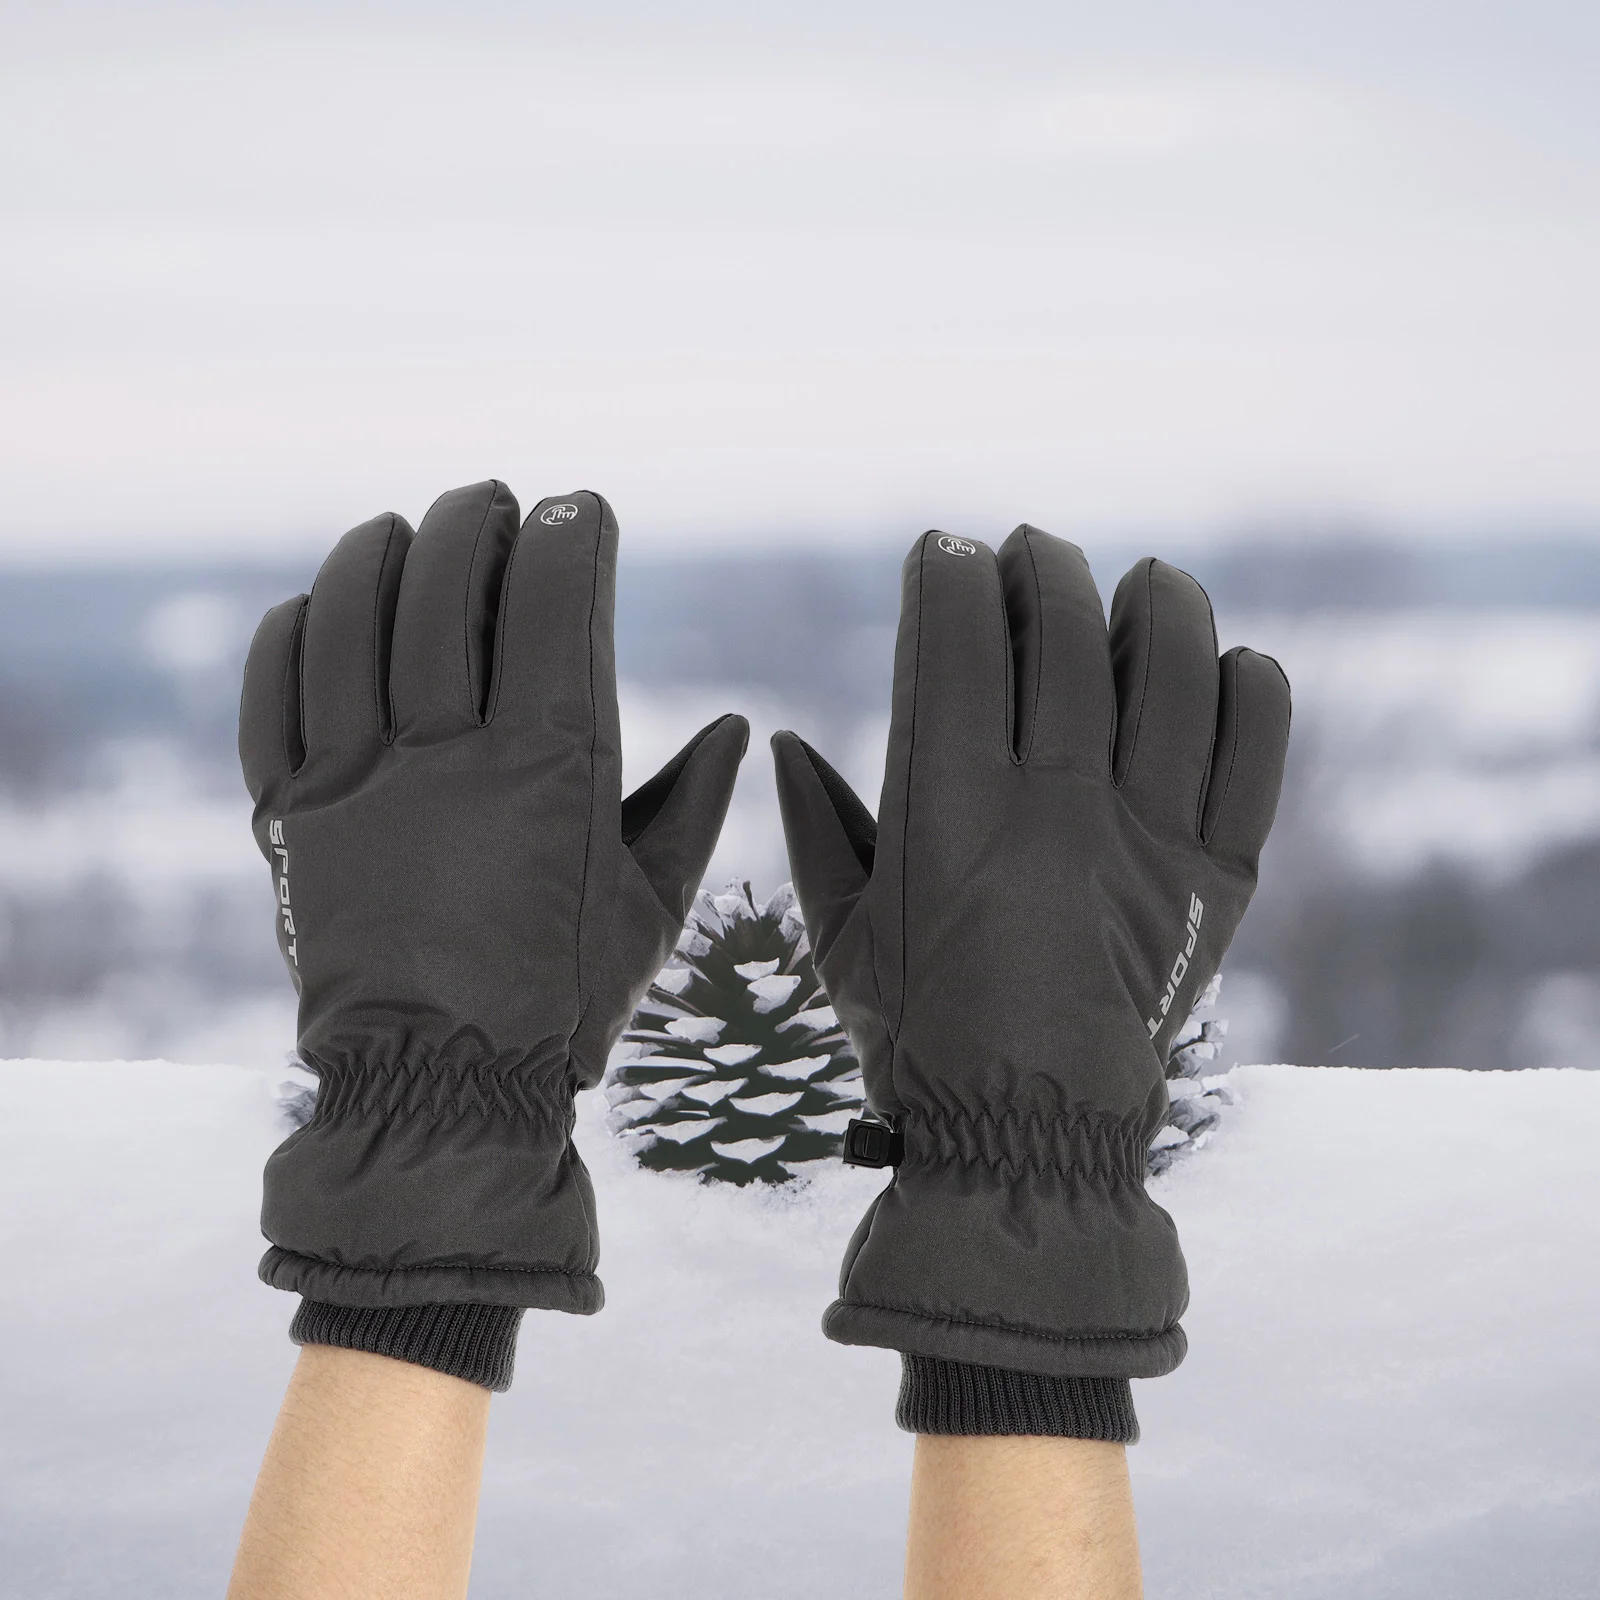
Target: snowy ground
{"x":1392,"y":1388}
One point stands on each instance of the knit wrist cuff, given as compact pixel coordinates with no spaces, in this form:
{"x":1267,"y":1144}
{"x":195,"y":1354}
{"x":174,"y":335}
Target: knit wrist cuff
{"x":955,"y":1397}
{"x":478,"y":1343}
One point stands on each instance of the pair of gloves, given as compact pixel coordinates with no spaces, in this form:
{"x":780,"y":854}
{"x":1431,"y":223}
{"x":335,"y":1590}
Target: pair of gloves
{"x":471,"y":912}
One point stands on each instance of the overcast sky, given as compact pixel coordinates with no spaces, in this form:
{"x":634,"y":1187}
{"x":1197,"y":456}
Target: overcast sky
{"x":762,"y":272}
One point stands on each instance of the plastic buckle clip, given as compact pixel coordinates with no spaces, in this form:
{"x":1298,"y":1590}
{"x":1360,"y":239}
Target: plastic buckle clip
{"x":873,"y":1144}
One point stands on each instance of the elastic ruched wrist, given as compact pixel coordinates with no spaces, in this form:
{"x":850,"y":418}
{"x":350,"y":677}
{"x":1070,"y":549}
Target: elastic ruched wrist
{"x":956,"y":1397}
{"x":474,"y":1342}
{"x":1018,"y":1241}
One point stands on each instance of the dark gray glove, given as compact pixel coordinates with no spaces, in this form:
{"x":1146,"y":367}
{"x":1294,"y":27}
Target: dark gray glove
{"x":1068,"y":838}
{"x":470,"y":909}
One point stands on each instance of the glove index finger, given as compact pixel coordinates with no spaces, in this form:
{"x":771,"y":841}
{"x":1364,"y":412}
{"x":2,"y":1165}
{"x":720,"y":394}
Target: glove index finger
{"x":950,"y":728}
{"x":555,"y":670}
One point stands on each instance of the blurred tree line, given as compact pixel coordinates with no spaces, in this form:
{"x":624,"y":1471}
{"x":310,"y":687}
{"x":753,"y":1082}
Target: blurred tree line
{"x":1445,"y":966}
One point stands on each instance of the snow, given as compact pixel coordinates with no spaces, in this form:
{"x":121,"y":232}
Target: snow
{"x":698,"y":1030}
{"x":661,"y":1089}
{"x":801,"y":1068}
{"x":678,"y":1132}
{"x":832,"y":1121}
{"x":772,"y":992}
{"x":708,"y":1094}
{"x":769,"y":1104}
{"x":817,"y":1018}
{"x":1391,"y":1389}
{"x":732,"y":1055}
{"x":747,"y":1150}
{"x":643,"y":1058}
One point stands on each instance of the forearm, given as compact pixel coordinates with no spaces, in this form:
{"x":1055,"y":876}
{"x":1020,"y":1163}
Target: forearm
{"x":1021,"y":1519}
{"x":370,"y":1484}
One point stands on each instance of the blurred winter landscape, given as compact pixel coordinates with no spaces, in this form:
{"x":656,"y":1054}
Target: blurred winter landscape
{"x":1431,"y":896}
{"x":1390,"y":1392}
{"x":1299,"y":298}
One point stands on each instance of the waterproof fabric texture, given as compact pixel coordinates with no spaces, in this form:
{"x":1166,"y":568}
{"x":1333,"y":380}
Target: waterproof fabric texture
{"x":1069,"y":832}
{"x":469,"y":908}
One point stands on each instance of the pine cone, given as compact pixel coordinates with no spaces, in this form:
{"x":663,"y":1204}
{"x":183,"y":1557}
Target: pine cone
{"x":736,"y":1066}
{"x":1196,"y":1100}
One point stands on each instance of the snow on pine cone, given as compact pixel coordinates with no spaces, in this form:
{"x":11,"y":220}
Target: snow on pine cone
{"x":735,"y":1066}
{"x":1196,"y":1099}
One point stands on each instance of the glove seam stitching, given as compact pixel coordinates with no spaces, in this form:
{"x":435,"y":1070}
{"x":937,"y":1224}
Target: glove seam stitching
{"x":1144,"y":677}
{"x":501,"y":628}
{"x":605,"y":947}
{"x":461,"y":1109}
{"x":1020,"y":756}
{"x":1233,"y":757}
{"x":1110,"y":1176}
{"x":473,"y":703}
{"x":1008,"y":671}
{"x":297,"y":646}
{"x":594,"y":745}
{"x":386,"y":1114}
{"x":1009,"y":1327}
{"x":425,"y":1266}
{"x":905,"y":826}
{"x":1211,"y":753}
{"x":385,"y":701}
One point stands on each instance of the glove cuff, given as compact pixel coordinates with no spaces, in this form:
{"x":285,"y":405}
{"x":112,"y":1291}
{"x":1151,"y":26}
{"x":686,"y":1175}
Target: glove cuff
{"x":957,"y":1397}
{"x":474,"y":1342}
{"x":1021,"y":1241}
{"x":368,"y":1183}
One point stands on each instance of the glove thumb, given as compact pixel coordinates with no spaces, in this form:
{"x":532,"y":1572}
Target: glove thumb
{"x":671,"y":823}
{"x":831,"y":835}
